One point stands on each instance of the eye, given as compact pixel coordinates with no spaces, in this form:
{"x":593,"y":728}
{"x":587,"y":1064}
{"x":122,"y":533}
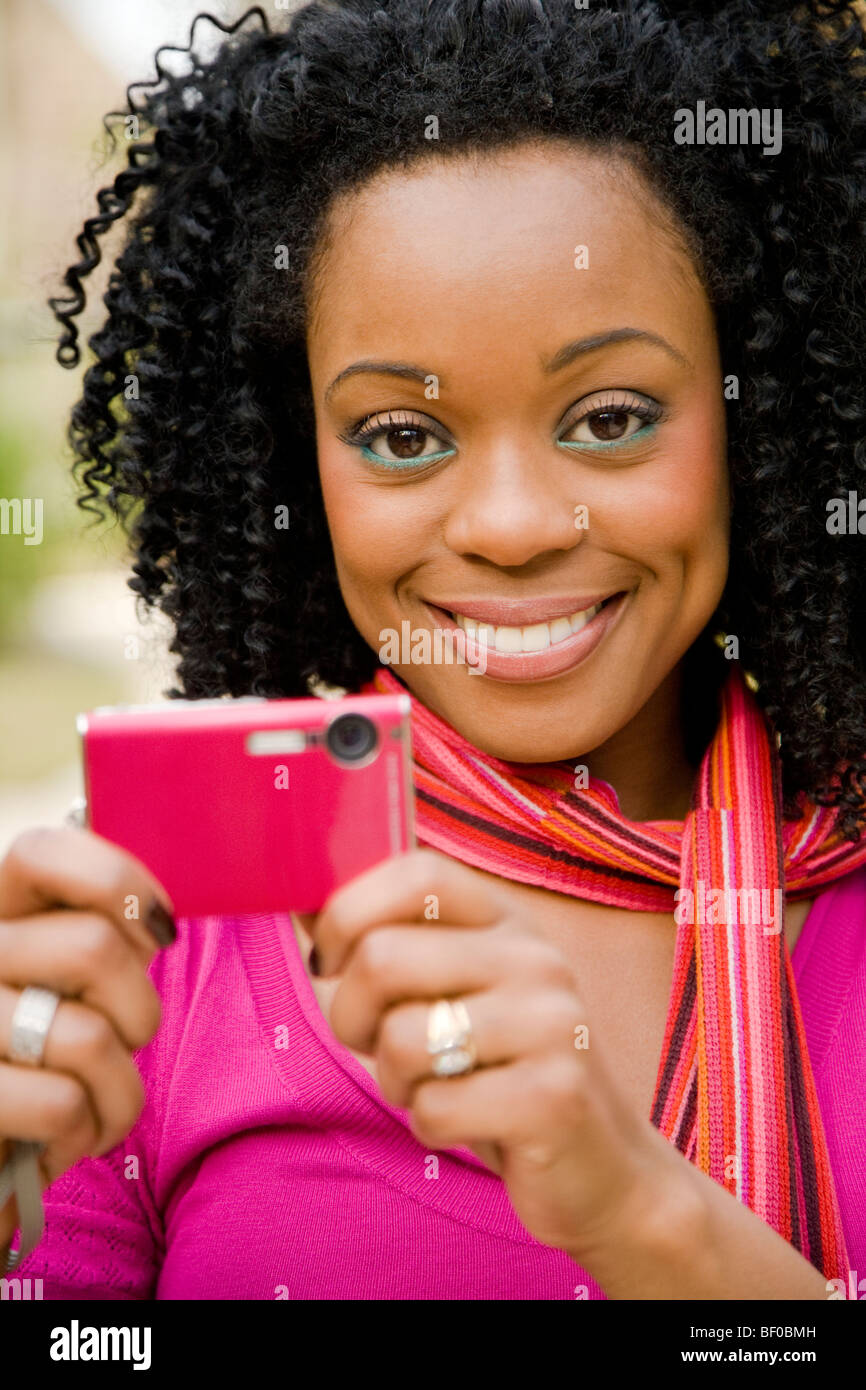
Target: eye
{"x":611,"y":419}
{"x":397,"y":439}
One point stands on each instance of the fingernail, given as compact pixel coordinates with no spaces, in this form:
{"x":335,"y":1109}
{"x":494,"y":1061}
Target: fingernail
{"x":160,"y":924}
{"x":315,"y":968}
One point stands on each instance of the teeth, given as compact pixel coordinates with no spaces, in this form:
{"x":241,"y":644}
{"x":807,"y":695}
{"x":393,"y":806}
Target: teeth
{"x":537,"y":637}
{"x":560,"y":628}
{"x":579,"y":620}
{"x":509,"y":639}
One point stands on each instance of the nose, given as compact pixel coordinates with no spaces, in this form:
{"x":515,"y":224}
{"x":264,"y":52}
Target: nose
{"x":513,"y":505}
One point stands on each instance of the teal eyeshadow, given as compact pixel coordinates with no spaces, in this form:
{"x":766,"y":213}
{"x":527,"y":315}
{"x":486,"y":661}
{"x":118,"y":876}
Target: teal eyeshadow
{"x":406,"y":463}
{"x":643,"y":433}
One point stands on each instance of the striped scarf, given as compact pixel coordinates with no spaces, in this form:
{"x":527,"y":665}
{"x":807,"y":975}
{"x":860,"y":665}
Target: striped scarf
{"x":735,"y":1091}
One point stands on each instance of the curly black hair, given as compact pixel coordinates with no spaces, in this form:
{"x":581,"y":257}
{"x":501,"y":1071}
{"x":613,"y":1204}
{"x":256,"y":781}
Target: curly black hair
{"x":245,"y":152}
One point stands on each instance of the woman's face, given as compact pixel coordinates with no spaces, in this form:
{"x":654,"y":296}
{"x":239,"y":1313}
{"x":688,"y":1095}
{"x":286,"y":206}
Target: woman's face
{"x":544,"y":433}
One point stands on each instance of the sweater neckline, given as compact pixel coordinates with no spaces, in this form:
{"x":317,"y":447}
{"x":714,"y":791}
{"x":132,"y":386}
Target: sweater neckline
{"x":313,"y":1066}
{"x":293,"y":1027}
{"x":281,"y":988}
{"x":341,"y":1054}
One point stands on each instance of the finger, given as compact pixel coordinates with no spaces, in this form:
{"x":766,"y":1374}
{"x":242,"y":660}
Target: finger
{"x":307,"y":921}
{"x":82,"y":1043}
{"x":67,"y":867}
{"x":505,"y":1026}
{"x":47,"y":1107}
{"x":536,"y":1106}
{"x":79,"y":954}
{"x":44,"y":1108}
{"x":395,"y":963}
{"x":421,"y":885}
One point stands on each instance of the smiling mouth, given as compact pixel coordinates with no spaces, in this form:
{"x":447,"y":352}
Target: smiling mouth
{"x":532,"y":651}
{"x":532,"y":637}
{"x":537,"y":636}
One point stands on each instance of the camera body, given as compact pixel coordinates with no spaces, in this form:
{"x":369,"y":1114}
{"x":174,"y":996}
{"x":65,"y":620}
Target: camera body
{"x":251,"y":805}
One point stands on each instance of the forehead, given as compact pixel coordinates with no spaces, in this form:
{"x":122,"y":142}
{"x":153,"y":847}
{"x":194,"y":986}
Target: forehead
{"x":537,"y":241}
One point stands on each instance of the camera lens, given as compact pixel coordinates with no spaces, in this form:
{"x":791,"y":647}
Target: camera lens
{"x":351,"y":738}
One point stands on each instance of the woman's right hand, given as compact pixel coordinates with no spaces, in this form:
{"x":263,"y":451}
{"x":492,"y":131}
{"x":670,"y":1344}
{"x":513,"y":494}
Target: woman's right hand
{"x":83,"y":918}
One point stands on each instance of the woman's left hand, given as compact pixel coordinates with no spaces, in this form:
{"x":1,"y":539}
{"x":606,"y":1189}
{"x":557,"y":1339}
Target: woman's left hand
{"x":541,"y":1108}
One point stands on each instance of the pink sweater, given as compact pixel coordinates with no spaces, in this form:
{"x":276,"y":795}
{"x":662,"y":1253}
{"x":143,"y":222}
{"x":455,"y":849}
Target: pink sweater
{"x":266,"y":1165}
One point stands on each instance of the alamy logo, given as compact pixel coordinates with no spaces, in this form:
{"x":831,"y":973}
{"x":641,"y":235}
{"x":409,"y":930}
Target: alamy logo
{"x":847,"y":518}
{"x":22,"y":1290}
{"x":739,"y":126}
{"x":22,"y":516}
{"x":836,"y":1289}
{"x":441,"y":647}
{"x":714,"y":907}
{"x":76,"y":1343}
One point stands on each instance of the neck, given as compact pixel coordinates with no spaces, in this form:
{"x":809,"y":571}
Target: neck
{"x":646,"y":762}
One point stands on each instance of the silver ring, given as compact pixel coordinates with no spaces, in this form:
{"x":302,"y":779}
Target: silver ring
{"x":33,"y":1016}
{"x":449,"y":1038}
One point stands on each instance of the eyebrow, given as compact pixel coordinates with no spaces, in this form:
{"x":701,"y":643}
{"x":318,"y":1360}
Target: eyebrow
{"x":563,"y":358}
{"x":567,"y":354}
{"x":404,"y":369}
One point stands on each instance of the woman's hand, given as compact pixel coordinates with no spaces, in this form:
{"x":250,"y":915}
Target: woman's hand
{"x":584,"y":1173}
{"x":541,"y":1108}
{"x":85,"y":919}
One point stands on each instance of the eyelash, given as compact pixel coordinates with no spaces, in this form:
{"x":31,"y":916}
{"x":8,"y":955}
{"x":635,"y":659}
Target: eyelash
{"x":626,"y":403}
{"x":358,"y":435}
{"x":381,"y":423}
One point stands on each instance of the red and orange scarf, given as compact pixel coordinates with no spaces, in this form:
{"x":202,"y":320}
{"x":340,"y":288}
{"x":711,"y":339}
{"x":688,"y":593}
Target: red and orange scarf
{"x":735,"y":1090}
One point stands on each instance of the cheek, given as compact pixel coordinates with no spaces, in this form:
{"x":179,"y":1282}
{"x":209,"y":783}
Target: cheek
{"x":376,"y":534}
{"x":689,"y":514}
{"x":677,"y":515}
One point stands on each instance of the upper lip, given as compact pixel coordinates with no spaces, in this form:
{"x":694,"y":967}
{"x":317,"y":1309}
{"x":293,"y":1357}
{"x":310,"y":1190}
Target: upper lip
{"x":521,"y":612}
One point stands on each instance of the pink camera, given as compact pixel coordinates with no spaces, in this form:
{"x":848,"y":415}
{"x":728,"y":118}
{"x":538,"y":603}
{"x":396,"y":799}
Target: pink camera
{"x":251,"y":805}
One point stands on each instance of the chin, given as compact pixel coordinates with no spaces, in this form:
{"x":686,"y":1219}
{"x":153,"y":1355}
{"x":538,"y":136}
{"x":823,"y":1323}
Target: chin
{"x":529,"y":751}
{"x":547,"y":740}
{"x":541,"y":727}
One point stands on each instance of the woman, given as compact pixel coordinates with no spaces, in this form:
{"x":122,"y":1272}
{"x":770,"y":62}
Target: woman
{"x":441,"y":279}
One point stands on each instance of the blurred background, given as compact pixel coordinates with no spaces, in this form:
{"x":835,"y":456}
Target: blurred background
{"x":69,"y":635}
